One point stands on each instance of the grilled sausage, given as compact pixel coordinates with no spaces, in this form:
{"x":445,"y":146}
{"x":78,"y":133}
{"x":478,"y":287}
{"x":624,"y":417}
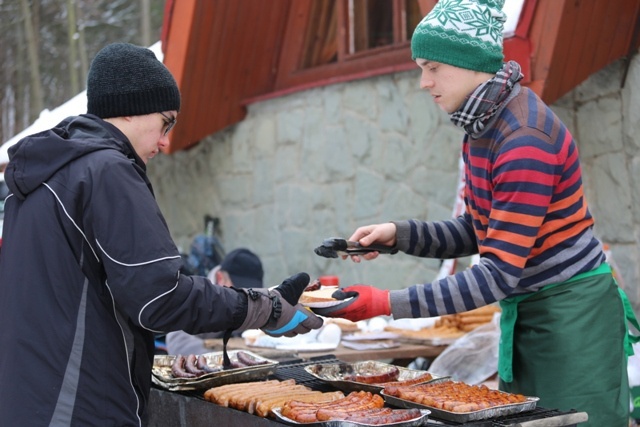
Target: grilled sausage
{"x":345,"y":414}
{"x":201,"y":363}
{"x":385,"y":377}
{"x":236,"y":364}
{"x":368,"y":402}
{"x":178,"y":370}
{"x":313,"y":286}
{"x":247,"y":360}
{"x":190,"y":365}
{"x":417,"y":380}
{"x":394,"y":416}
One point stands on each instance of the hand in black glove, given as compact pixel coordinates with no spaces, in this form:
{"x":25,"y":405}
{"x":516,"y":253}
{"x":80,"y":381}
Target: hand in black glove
{"x":277,"y":312}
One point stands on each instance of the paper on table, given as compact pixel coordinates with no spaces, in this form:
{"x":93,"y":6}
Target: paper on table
{"x":326,"y":338}
{"x":375,"y":345}
{"x":310,"y":346}
{"x":370,"y":336}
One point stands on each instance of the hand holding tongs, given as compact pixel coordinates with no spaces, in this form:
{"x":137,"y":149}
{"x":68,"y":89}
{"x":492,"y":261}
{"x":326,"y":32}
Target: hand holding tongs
{"x":335,"y":247}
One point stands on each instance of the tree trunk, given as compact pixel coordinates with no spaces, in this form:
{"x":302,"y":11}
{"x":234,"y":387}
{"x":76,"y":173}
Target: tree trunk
{"x":22,"y":96}
{"x":145,"y":23}
{"x":34,"y":63}
{"x":72,"y":38}
{"x":82,"y":49}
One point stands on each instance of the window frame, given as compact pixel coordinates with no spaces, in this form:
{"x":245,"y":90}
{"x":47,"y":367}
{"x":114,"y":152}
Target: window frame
{"x":349,"y":66}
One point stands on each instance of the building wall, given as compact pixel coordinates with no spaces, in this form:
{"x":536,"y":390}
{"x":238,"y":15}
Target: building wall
{"x":319,"y":163}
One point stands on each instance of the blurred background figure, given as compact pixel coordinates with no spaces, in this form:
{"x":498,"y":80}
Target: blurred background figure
{"x":240,"y":268}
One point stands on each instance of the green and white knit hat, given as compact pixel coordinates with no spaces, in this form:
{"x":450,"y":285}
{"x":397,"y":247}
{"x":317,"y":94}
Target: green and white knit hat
{"x":463,"y":33}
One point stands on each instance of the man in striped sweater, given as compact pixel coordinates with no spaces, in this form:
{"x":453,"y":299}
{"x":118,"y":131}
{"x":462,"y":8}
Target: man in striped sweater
{"x":563,"y":328}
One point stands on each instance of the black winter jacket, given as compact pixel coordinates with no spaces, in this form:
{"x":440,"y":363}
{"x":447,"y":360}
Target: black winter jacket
{"x":88,"y":274}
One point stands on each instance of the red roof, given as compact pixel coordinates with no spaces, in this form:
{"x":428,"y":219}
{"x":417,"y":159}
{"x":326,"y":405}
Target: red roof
{"x":226,"y":54}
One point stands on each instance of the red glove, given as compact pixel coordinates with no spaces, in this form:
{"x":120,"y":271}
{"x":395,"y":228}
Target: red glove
{"x":362,"y":302}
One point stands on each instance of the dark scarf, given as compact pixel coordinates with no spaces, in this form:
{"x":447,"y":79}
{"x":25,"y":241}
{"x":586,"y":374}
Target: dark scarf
{"x":478,"y":108}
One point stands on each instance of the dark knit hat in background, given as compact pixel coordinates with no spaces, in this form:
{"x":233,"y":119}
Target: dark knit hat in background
{"x":128,"y":80}
{"x":463,"y":33}
{"x":244,"y":268}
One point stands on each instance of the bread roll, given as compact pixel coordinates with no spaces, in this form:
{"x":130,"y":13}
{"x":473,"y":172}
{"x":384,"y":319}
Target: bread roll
{"x":321,"y":295}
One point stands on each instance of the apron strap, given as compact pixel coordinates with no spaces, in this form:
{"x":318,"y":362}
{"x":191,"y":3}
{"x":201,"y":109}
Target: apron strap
{"x":629,"y":339}
{"x":510,"y":314}
{"x":508,"y":318}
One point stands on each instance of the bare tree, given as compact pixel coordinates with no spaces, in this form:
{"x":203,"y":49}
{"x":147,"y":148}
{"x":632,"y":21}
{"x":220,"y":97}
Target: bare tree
{"x":145,"y":23}
{"x":72,"y":35}
{"x":47,"y":46}
{"x":34,"y":62}
{"x":82,"y":47}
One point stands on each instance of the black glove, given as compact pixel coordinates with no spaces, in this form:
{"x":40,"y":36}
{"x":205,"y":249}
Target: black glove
{"x":277,"y":312}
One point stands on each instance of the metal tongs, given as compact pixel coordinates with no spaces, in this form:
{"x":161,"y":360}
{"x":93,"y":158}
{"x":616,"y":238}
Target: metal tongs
{"x":335,"y":247}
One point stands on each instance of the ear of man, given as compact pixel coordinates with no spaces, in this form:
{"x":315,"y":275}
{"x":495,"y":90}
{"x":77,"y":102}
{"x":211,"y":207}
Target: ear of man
{"x":223,"y":279}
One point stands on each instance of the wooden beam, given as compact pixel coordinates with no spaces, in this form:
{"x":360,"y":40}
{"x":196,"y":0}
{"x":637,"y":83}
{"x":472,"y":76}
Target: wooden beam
{"x":178,"y":33}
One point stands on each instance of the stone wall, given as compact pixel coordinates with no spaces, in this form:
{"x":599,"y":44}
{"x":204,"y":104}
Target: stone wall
{"x":319,"y":163}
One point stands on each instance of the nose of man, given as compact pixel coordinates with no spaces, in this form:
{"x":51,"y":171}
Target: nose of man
{"x":426,"y":83}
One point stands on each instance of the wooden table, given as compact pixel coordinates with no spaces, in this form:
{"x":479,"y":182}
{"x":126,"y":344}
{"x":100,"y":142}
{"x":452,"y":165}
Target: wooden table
{"x":402,"y":353}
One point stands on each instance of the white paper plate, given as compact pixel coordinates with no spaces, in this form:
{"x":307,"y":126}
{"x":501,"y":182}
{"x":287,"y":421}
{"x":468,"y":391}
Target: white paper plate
{"x":324,"y":304}
{"x":370,"y":336}
{"x":374,"y":345}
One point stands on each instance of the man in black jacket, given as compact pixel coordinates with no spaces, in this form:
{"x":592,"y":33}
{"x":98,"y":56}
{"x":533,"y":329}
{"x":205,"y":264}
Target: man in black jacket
{"x":89,"y":272}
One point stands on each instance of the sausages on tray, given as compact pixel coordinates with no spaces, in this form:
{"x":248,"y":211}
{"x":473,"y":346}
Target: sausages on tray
{"x":260,"y":397}
{"x":455,"y":396}
{"x":194,"y":366}
{"x":358,"y":406}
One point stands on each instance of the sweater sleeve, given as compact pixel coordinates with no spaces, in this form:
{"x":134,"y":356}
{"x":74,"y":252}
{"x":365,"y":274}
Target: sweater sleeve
{"x":436,"y":239}
{"x":525,"y":203}
{"x":456,"y":293}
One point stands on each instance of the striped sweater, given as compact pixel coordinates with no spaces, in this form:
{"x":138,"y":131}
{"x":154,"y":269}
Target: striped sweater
{"x":525,"y":214}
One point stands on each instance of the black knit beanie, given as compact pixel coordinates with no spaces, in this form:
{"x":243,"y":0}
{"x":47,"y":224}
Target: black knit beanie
{"x":128,"y":80}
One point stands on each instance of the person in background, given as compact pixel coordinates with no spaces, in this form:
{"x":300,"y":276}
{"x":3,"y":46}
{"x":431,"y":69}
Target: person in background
{"x":240,"y":268}
{"x":563,"y":330}
{"x":89,"y":272}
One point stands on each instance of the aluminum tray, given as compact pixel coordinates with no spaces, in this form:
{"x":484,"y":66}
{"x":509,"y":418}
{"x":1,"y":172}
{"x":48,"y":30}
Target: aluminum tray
{"x":332,"y":373}
{"x":162,"y":377}
{"x":463,"y":417}
{"x":341,"y":423}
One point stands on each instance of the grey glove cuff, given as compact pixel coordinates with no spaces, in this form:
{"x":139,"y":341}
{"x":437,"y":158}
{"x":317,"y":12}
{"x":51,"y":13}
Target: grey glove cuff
{"x":263,"y":307}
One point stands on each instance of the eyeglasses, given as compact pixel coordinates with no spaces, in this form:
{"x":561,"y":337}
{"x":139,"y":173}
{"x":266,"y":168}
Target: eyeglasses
{"x":169,"y":123}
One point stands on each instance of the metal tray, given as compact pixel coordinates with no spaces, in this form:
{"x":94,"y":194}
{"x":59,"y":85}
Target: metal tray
{"x":332,"y":373}
{"x":341,"y":423}
{"x":162,"y":377}
{"x":463,"y":417}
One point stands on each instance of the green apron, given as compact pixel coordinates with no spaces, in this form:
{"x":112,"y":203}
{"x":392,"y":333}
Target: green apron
{"x":555,"y":345}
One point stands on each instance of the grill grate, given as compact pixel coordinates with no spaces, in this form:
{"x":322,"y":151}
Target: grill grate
{"x":535,"y":414}
{"x":295,"y":370}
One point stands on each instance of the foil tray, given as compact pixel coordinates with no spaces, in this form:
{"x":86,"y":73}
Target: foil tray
{"x":463,"y":417}
{"x":332,"y":373}
{"x":162,"y":377}
{"x":341,"y":423}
